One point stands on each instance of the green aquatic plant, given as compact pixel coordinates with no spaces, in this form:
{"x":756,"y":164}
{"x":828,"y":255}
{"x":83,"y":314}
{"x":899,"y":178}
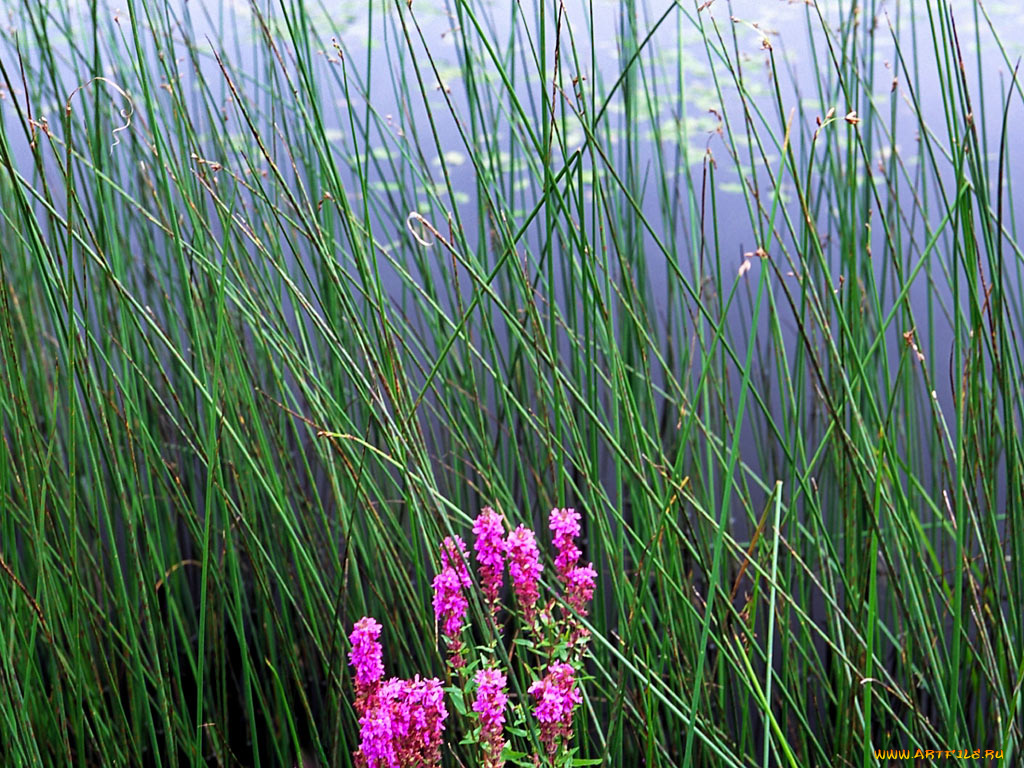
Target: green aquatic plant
{"x":741,"y":279}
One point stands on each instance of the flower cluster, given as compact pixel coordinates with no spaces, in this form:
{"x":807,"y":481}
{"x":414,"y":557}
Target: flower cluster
{"x":367,"y":657}
{"x":490,"y":706}
{"x":400,"y":721}
{"x":524,"y":567}
{"x":579,"y":587}
{"x":565,"y":527}
{"x":489,"y":530}
{"x":578,"y":580}
{"x":556,"y":696}
{"x":450,"y":601}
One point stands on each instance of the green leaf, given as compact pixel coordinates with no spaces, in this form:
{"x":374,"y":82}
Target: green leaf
{"x":457,"y":699}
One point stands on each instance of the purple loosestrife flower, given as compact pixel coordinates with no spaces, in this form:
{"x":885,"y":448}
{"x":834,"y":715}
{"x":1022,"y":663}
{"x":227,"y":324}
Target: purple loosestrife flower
{"x":565,"y":525}
{"x":490,"y":705}
{"x":419,"y":722}
{"x":556,"y":696}
{"x":376,"y":745}
{"x":579,"y":587}
{"x":524,"y":567}
{"x":403,"y":727}
{"x":453,"y":555}
{"x":450,"y":603}
{"x":367,"y":658}
{"x":489,"y":529}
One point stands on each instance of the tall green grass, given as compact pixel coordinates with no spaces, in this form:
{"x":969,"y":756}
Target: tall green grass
{"x":241,"y":402}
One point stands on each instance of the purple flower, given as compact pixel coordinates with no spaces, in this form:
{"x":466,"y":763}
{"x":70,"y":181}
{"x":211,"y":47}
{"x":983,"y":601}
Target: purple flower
{"x":489,"y":529}
{"x":524,"y":567}
{"x":404,"y":726}
{"x":490,"y":705}
{"x":565,"y":527}
{"x":376,"y":745}
{"x":453,"y":555}
{"x":579,"y":587}
{"x":419,"y":721}
{"x":367,"y":657}
{"x":556,"y":696}
{"x":490,"y":698}
{"x":450,"y":602}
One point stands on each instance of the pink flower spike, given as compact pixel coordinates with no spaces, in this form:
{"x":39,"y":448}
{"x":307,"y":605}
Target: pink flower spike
{"x":579,"y":587}
{"x":376,"y":746}
{"x":565,"y":523}
{"x":489,"y":528}
{"x":524,"y":567}
{"x":556,"y":696}
{"x":453,"y":555}
{"x":490,"y":705}
{"x":404,"y":726}
{"x":565,"y":527}
{"x":450,"y":602}
{"x":367,"y":657}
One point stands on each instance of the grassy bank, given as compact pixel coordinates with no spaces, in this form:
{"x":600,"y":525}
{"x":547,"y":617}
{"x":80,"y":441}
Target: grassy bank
{"x":290,"y":293}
